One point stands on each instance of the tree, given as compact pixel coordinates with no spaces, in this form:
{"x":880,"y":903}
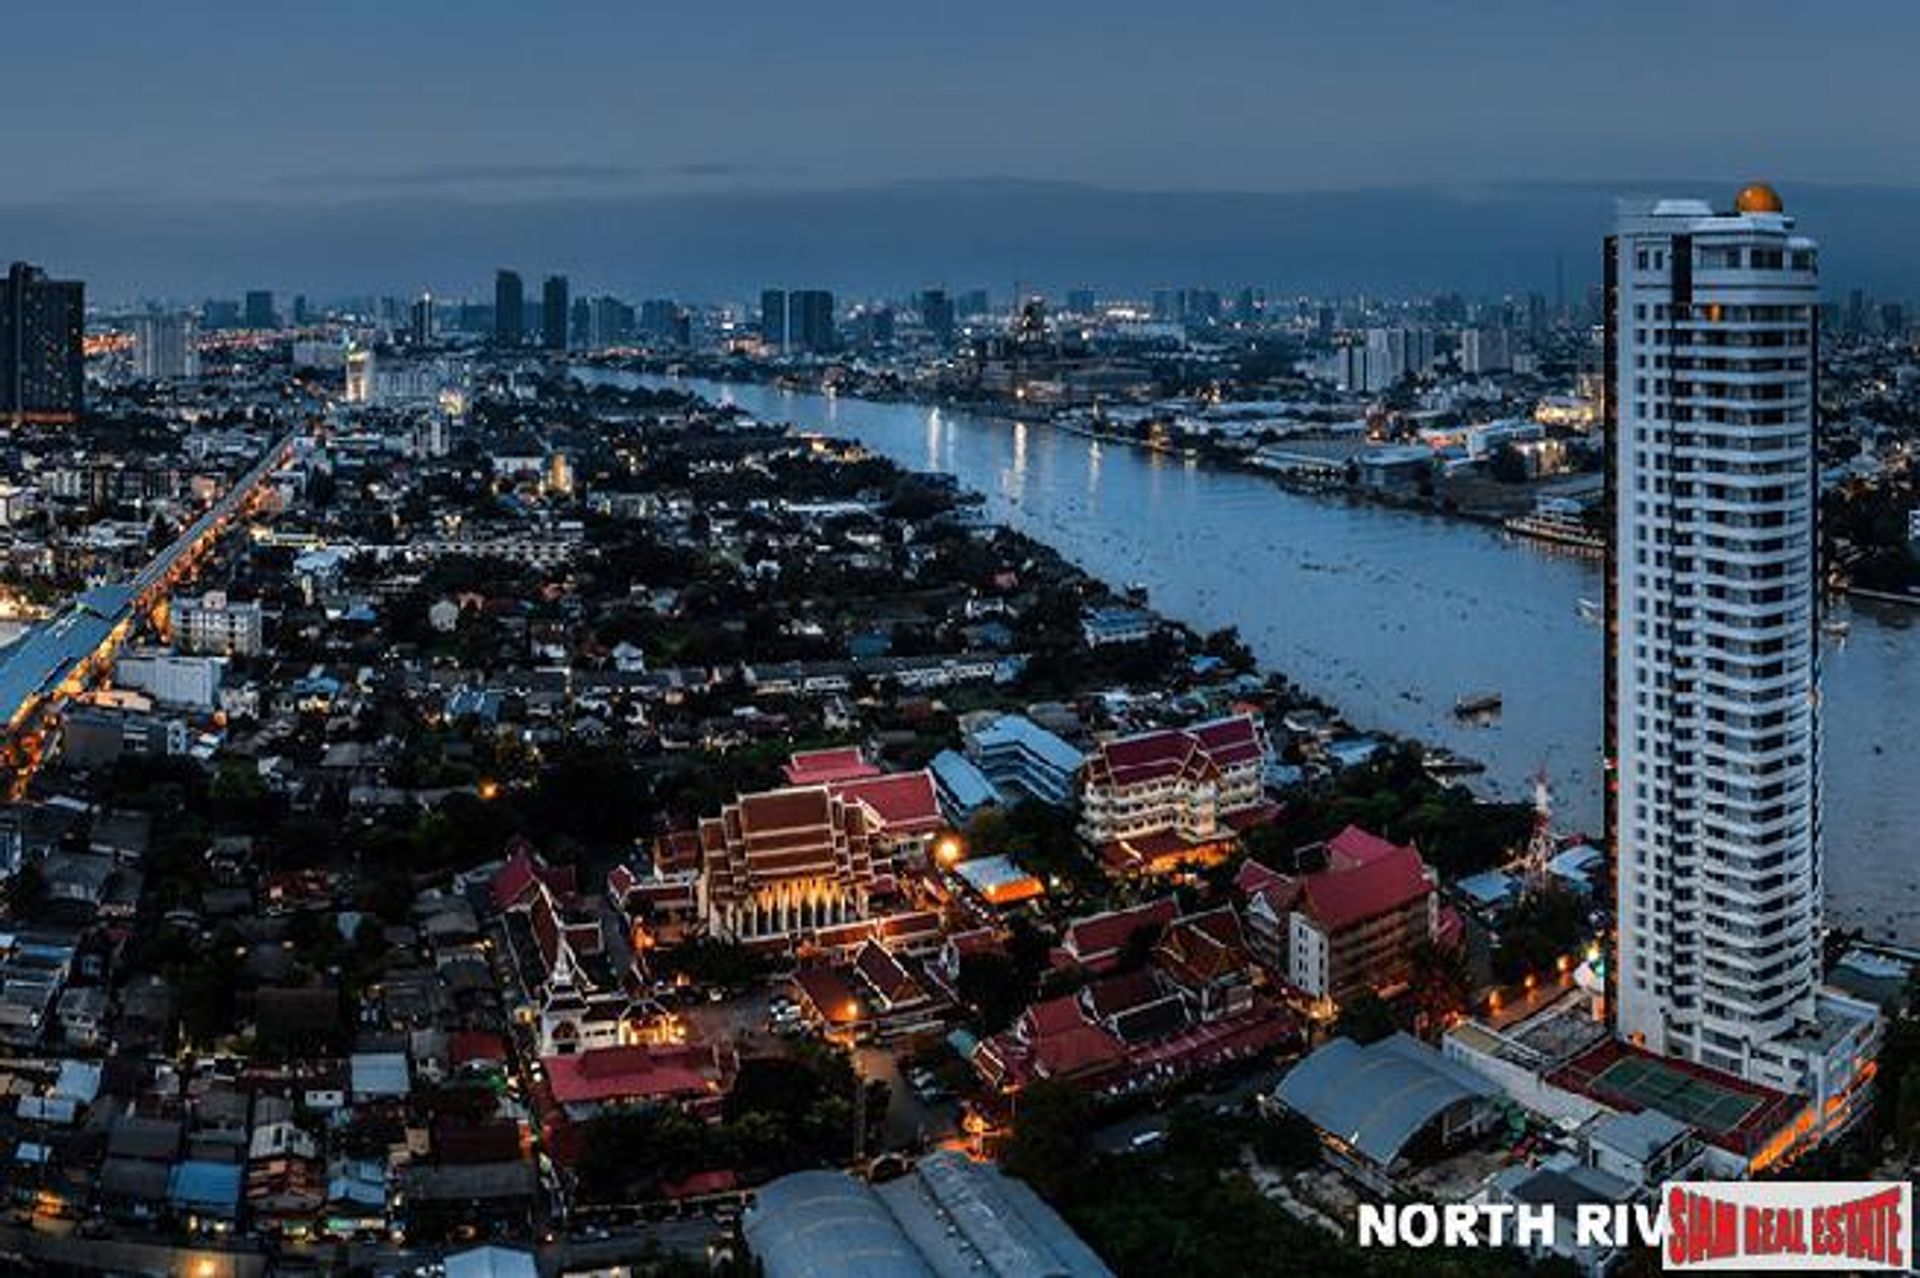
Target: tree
{"x":1286,"y":1142}
{"x":1537,"y":932}
{"x":1366,"y":1018}
{"x":1052,"y":1126}
{"x":993,"y":985}
{"x":1441,"y":985}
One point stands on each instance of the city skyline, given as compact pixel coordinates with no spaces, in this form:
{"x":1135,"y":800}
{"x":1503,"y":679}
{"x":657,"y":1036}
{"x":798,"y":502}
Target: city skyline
{"x":1094,"y":642}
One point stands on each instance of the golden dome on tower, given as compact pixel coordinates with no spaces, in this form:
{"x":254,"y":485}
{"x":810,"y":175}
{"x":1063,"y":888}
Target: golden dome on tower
{"x":1758,"y":198}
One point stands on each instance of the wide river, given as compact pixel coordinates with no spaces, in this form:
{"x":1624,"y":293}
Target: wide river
{"x":1391,"y":615}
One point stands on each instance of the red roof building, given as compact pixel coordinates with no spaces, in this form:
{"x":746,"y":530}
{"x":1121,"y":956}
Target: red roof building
{"x":822,"y":767}
{"x":1350,"y":927}
{"x":587,"y":1081}
{"x":1098,"y":941}
{"x":1190,"y":1008}
{"x":905,"y":803}
{"x":784,"y":867}
{"x":1151,"y":802}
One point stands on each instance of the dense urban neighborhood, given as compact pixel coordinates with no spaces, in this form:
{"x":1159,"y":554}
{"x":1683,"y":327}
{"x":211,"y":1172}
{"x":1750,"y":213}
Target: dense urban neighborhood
{"x":486,"y":809}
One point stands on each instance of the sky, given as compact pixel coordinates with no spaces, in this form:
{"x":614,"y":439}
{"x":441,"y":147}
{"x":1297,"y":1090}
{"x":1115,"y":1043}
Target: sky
{"x":644,"y":146}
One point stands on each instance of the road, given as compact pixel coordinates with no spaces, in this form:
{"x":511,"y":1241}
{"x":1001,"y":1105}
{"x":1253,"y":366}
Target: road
{"x":1118,"y":1137}
{"x":625,"y":1245}
{"x":911,"y":1122}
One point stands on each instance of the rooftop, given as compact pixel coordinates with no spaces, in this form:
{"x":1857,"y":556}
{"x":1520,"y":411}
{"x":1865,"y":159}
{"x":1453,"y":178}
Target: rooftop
{"x":1376,"y":1098}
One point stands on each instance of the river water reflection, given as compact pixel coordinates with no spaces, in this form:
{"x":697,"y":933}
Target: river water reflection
{"x":1393,"y":615}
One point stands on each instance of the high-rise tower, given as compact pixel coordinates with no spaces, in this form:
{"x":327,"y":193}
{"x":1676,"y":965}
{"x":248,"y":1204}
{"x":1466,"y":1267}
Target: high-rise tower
{"x":554,"y":313}
{"x":509,"y":308}
{"x":1712,"y":616}
{"x":42,"y":355}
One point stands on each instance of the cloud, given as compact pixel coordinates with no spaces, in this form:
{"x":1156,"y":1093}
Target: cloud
{"x":510,"y":176}
{"x":714,"y":240}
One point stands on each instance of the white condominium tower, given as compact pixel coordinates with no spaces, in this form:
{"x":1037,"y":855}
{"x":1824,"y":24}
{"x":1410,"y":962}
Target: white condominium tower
{"x":1713,"y":724}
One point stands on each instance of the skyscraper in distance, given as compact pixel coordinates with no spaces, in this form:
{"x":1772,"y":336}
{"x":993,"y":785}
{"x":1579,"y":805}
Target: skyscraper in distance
{"x":259,"y":311}
{"x":420,"y":320}
{"x":509,"y":302}
{"x":1713,"y":603}
{"x":165,"y":347}
{"x":936,"y":315}
{"x":554,"y":313}
{"x":773,"y":318}
{"x":42,"y":353}
{"x":810,"y":325}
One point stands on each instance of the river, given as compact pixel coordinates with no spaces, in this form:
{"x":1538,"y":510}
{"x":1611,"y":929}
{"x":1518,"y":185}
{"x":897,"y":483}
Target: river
{"x":1391,"y":615}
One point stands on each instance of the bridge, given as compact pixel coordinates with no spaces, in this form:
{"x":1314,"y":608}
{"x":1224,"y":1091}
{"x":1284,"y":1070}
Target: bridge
{"x":61,"y":657}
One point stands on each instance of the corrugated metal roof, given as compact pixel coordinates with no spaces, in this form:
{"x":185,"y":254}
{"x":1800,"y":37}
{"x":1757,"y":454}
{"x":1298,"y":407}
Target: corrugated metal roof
{"x":951,"y":1218}
{"x":1376,"y":1098}
{"x":824,"y":1224}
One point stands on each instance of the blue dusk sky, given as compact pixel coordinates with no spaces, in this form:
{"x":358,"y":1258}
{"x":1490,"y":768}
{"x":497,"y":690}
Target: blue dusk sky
{"x":1389,"y":146}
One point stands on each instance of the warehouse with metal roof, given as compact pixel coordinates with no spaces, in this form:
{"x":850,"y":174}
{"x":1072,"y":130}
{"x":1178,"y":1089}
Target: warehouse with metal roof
{"x":948,"y":1218}
{"x":1375,"y":1104}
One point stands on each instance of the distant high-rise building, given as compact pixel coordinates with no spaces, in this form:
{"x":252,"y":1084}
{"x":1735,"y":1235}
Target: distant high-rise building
{"x":1537,"y":322}
{"x":580,"y":323}
{"x":876,"y":326}
{"x":1200,"y":306}
{"x":664,"y":320}
{"x":219,"y":312}
{"x":165,"y":347}
{"x":359,"y":370}
{"x":1713,"y":602}
{"x":509,"y":303}
{"x":810,"y":320}
{"x":420,"y":320}
{"x":1081,"y":301}
{"x":1394,"y":353}
{"x":975,"y":303}
{"x":936,"y":315}
{"x":609,"y":322}
{"x":773,"y":318}
{"x":301,"y":313}
{"x":42,"y":352}
{"x":259,"y":309}
{"x":554,"y":313}
{"x":1485,"y":350}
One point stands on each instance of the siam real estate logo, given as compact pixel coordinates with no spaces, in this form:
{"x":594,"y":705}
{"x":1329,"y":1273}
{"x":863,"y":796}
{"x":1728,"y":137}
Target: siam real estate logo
{"x":1811,"y":1226}
{"x":1697,"y":1226}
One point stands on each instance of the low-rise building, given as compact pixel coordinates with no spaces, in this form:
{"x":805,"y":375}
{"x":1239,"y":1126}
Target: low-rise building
{"x":215,"y":624}
{"x":1024,"y":760}
{"x":1387,"y":1106}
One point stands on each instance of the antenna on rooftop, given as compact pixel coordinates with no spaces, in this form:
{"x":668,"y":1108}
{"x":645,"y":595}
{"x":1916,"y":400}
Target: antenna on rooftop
{"x":1540,"y":845}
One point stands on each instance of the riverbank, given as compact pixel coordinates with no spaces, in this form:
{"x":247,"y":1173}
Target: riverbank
{"x":1208,"y":451}
{"x":1393,"y":615}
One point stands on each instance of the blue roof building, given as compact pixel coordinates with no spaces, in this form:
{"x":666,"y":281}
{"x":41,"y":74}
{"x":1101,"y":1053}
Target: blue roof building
{"x":1373,"y":1104}
{"x":963,"y":789}
{"x":205,"y":1189}
{"x":1021,"y":758}
{"x":949,"y":1217}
